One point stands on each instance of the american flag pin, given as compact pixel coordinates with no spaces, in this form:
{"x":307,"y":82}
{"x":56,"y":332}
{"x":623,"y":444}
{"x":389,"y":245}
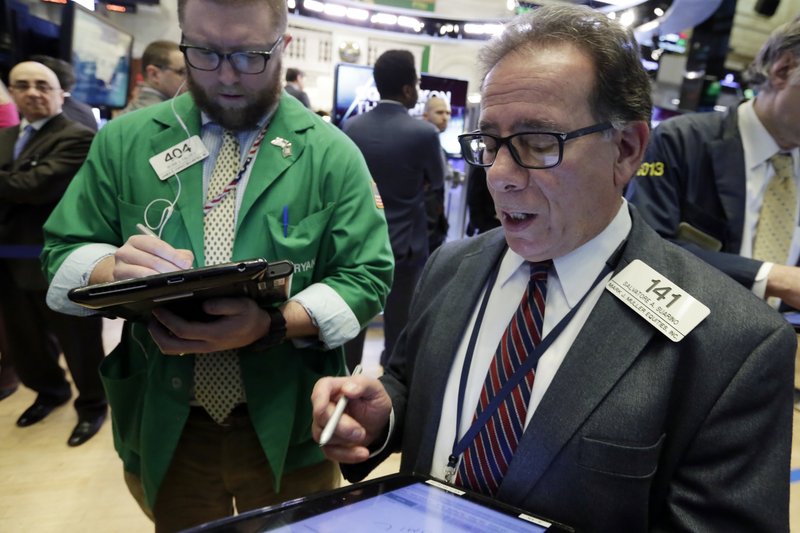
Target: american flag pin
{"x":284,"y":145}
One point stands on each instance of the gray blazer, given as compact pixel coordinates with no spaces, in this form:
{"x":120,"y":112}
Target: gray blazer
{"x":635,"y":433}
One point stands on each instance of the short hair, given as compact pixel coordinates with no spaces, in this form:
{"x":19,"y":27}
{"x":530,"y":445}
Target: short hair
{"x":157,"y":54}
{"x":278,"y":8}
{"x":622,"y":87}
{"x":784,"y":38}
{"x":293,"y":73}
{"x":62,"y":69}
{"x":393,"y":70}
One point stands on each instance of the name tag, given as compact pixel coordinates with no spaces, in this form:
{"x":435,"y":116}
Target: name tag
{"x":666,"y":306}
{"x":179,"y":157}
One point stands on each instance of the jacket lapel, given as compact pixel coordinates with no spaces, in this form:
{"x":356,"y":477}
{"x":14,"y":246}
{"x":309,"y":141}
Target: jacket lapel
{"x":727,"y":157}
{"x":280,"y":149}
{"x":467,"y":286}
{"x":591,"y":368}
{"x":40,"y":136}
{"x":191,"y":178}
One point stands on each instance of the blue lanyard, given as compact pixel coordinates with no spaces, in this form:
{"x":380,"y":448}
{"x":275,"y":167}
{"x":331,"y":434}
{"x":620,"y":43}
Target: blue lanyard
{"x":460,"y":446}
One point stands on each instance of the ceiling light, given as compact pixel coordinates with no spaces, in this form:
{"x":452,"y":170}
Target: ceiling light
{"x":313,"y":5}
{"x":384,"y":18}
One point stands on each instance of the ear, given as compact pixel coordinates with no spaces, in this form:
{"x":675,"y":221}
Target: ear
{"x":781,"y":71}
{"x":287,"y":38}
{"x":151,"y":72}
{"x":631,"y":144}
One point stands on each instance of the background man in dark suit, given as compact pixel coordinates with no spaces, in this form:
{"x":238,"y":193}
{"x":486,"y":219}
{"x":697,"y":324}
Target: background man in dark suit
{"x":404,"y":156}
{"x":628,"y":424}
{"x":437,"y":112}
{"x":72,"y":109}
{"x":38,"y":159}
{"x":704,"y":177}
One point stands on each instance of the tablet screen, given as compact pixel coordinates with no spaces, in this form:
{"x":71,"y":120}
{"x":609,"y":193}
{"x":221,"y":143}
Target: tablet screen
{"x":417,"y":507}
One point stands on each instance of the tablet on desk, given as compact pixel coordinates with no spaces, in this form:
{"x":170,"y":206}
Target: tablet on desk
{"x":184,"y":291}
{"x":393,"y":503}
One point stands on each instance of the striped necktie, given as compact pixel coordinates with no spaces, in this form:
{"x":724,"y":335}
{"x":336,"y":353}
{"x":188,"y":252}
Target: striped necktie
{"x":486,"y":460}
{"x":217,"y":376}
{"x":776,"y":219}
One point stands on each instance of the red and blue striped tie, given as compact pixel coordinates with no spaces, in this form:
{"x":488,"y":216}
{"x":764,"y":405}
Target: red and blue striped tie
{"x":486,"y":460}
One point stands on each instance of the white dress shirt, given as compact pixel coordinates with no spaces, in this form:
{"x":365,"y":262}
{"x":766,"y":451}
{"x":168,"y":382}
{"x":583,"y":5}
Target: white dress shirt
{"x":569,"y":280}
{"x":759,"y":147}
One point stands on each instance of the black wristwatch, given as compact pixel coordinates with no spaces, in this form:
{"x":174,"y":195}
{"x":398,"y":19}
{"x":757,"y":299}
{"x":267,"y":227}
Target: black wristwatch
{"x":277,"y":331}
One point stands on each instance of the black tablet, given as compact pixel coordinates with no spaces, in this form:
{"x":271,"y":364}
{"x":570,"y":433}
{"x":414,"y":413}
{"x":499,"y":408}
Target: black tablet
{"x":183,"y":291}
{"x":398,"y":502}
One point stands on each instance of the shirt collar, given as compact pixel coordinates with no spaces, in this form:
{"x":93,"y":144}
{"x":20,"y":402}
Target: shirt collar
{"x":578,"y":269}
{"x":37,"y":124}
{"x":758,"y":144}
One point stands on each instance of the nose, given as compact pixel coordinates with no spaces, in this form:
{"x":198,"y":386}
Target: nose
{"x":505,"y":174}
{"x":227,"y":74}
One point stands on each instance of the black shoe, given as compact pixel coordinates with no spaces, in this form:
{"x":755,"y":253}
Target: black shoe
{"x":86,"y":429}
{"x":34,"y":413}
{"x":7,"y":391}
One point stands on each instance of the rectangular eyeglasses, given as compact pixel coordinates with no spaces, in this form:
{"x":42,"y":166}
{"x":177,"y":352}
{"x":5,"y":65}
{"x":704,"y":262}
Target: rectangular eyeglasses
{"x":536,"y":150}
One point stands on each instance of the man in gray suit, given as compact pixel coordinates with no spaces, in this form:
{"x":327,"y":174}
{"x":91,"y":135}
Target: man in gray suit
{"x":404,"y":156}
{"x":661,"y":394}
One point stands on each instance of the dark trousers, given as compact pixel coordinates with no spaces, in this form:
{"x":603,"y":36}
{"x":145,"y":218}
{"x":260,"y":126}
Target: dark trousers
{"x":34,"y":334}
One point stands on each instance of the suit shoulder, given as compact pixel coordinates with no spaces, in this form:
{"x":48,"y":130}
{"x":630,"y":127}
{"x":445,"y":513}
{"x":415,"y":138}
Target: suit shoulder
{"x":725,"y":297}
{"x":699,"y":126}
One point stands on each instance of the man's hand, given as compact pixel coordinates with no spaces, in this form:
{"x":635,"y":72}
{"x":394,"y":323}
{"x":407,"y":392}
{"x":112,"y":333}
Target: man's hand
{"x":141,"y":255}
{"x":784,"y":282}
{"x":241,"y":322}
{"x":364,"y":420}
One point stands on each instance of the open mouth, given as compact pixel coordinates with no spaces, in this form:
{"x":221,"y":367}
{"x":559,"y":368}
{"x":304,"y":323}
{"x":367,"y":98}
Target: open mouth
{"x":517,"y":219}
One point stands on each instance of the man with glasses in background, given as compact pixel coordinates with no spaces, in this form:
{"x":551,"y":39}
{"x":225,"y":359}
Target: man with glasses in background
{"x":38,"y":158}
{"x":573,"y":363}
{"x":213,"y":417}
{"x":163,"y":75}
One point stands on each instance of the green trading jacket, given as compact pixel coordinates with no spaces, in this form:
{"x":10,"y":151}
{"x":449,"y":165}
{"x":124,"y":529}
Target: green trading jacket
{"x":336,"y":235}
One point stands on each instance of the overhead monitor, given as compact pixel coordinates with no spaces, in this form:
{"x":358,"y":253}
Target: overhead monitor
{"x":355,"y":93}
{"x":100,"y":53}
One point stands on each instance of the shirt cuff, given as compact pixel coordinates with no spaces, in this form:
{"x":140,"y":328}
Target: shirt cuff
{"x":388,"y":435}
{"x":75,"y":272}
{"x":330,"y":313}
{"x":759,"y":287}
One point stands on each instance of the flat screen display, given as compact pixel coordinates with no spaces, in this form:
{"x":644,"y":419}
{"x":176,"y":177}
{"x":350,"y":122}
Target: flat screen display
{"x":408,"y":503}
{"x":100,"y":53}
{"x":355,"y":93}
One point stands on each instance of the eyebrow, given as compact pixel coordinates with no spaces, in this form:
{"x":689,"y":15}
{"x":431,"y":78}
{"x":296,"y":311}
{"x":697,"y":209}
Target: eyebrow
{"x":521,"y":126}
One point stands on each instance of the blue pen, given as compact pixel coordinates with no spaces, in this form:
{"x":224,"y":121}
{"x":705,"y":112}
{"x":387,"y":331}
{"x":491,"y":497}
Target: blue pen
{"x":285,"y":220}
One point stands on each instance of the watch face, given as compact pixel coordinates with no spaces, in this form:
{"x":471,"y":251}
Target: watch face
{"x":349,"y":52}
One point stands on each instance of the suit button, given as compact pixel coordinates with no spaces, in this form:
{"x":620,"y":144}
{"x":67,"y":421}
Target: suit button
{"x":177,"y":383}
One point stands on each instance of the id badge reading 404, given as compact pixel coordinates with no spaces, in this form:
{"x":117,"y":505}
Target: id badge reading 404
{"x":670,"y":309}
{"x":176,"y":158}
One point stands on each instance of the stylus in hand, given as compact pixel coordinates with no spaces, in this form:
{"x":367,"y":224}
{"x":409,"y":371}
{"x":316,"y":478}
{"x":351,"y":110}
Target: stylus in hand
{"x":144,"y":230}
{"x":333,"y":421}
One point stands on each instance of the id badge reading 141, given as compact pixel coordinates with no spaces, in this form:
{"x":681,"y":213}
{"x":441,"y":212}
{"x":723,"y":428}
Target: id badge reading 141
{"x":179,"y":157}
{"x":668,"y":308}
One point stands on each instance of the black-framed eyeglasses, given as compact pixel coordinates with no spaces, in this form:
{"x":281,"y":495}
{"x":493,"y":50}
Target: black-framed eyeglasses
{"x":179,"y":71}
{"x":530,"y":149}
{"x":245,"y":62}
{"x":23,"y":87}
